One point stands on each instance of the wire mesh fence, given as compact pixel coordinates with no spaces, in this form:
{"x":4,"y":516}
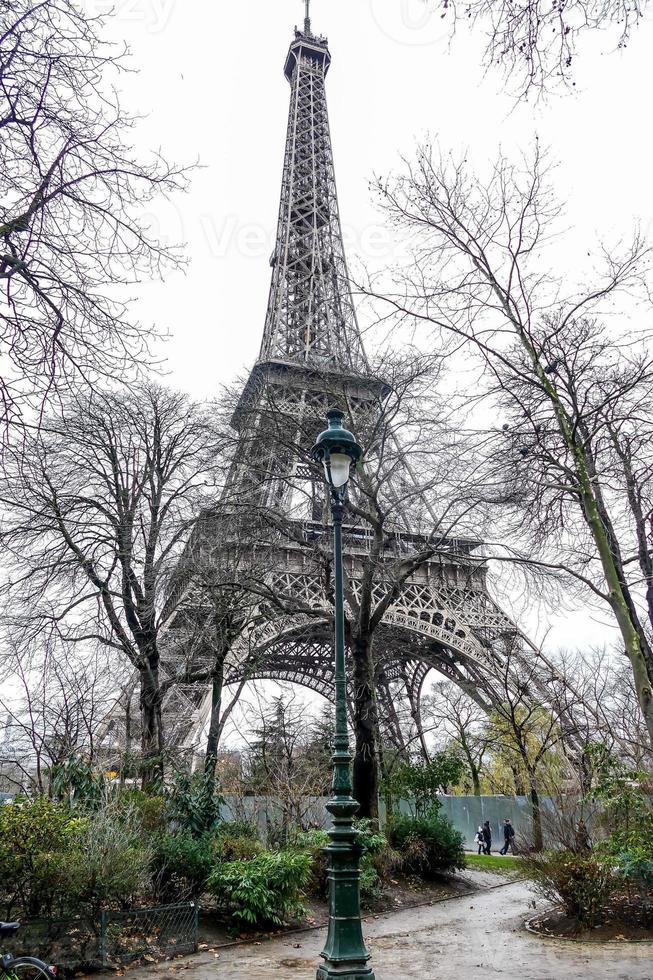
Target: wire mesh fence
{"x":116,"y":938}
{"x":168,"y":930}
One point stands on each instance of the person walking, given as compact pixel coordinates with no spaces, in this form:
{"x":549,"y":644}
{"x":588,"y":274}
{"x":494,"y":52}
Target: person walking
{"x":487,"y":837}
{"x":508,"y":837}
{"x":480,"y":840}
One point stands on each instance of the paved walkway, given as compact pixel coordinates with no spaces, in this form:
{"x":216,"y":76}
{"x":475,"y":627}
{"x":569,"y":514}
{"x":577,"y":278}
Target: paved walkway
{"x":472,"y":938}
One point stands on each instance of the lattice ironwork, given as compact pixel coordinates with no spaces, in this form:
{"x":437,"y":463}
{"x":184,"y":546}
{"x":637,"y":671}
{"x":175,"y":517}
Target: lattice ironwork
{"x":311,"y":316}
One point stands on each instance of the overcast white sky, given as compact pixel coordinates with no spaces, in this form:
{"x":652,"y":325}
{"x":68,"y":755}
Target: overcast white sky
{"x":212,"y":84}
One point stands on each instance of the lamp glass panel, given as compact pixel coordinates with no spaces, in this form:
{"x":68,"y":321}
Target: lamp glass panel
{"x":339,"y":469}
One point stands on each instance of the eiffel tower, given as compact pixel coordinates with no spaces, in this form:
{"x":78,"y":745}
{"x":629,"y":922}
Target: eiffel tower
{"x":311,"y":353}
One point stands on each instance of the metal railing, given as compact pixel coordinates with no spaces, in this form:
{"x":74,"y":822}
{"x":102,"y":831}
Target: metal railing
{"x":115,"y":939}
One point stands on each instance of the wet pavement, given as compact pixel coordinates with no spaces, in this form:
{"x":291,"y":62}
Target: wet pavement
{"x":476,"y":936}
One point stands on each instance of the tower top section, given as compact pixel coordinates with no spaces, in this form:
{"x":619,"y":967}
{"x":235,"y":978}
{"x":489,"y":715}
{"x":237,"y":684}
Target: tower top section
{"x":310,"y":319}
{"x":306,"y":45}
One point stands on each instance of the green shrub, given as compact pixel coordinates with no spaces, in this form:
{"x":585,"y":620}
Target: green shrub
{"x":55,"y":863}
{"x":238,"y":828}
{"x":182,"y":864}
{"x":265,"y":890}
{"x":110,"y":864}
{"x":144,"y":810}
{"x":421,"y":783}
{"x":582,"y":883}
{"x":634,"y":868}
{"x":227,"y":848}
{"x":373,"y":845}
{"x":194,"y":803}
{"x":313,"y":842}
{"x":429,"y":844}
{"x":35,"y":839}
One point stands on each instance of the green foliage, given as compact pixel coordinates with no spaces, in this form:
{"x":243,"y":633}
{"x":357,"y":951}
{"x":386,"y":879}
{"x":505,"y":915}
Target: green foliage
{"x":422,"y":782}
{"x":110,"y":865}
{"x":635,"y":869}
{"x":147,"y":811}
{"x":627,"y":813}
{"x":429,"y":844}
{"x":265,"y":890}
{"x":182,"y":864}
{"x":76,"y":782}
{"x":54,"y":862}
{"x":35,"y":836}
{"x":194,"y":803}
{"x":583,"y":884}
{"x":229,"y":848}
{"x":313,"y":842}
{"x":239,"y":828}
{"x":373,"y":845}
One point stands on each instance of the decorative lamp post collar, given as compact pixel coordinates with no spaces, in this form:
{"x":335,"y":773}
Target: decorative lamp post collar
{"x":337,"y":449}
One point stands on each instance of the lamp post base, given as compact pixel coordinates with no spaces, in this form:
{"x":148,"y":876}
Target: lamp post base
{"x":345,"y":955}
{"x":331,"y":971}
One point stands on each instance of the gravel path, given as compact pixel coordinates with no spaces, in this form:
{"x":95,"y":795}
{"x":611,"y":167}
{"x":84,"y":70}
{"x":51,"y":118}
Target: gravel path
{"x":469,"y":938}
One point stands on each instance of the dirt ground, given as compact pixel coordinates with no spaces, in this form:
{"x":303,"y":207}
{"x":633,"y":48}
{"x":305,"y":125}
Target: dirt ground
{"x":475,"y":936}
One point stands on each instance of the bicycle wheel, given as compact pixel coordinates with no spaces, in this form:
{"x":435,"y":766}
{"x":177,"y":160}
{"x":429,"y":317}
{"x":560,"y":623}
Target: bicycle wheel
{"x":27,"y":968}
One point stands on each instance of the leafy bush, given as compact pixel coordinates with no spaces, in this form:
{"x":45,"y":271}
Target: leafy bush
{"x":582,"y":883}
{"x":238,"y":828}
{"x":182,"y":864}
{"x":429,"y":844}
{"x":265,"y":890}
{"x":76,"y":782}
{"x":313,"y":842}
{"x":53,"y":862}
{"x":144,"y":810}
{"x":194,"y":804}
{"x":373,"y":845}
{"x":421,"y":783}
{"x":227,"y":848}
{"x":35,"y":838}
{"x":634,"y":868}
{"x":110,"y":865}
{"x":236,"y":840}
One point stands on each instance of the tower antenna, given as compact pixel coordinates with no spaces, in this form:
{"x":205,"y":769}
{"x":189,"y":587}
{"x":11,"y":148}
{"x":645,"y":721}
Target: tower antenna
{"x":307,"y":18}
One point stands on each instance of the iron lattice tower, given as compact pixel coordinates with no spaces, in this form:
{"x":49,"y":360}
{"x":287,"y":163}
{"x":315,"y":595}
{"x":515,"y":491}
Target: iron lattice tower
{"x":311,"y":355}
{"x":310,"y":316}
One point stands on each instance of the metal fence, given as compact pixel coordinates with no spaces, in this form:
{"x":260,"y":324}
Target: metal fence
{"x":466,"y":813}
{"x":115,"y":939}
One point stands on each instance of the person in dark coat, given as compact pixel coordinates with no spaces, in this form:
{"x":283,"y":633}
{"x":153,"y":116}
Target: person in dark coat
{"x":508,"y":837}
{"x":480,"y":840}
{"x":487,"y":837}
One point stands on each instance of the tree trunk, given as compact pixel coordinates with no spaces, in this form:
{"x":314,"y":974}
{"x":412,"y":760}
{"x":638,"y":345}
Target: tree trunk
{"x":213,"y":738}
{"x":365,"y":769}
{"x":151,"y":724}
{"x":416,"y":715}
{"x":599,"y":523}
{"x":538,"y":837}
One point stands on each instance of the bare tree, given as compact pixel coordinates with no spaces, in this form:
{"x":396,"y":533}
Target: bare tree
{"x":535,"y":42}
{"x":575,"y":397}
{"x":73,"y":218}
{"x":280,"y":761}
{"x":99,"y":507}
{"x":463,"y":721}
{"x":56,"y":705}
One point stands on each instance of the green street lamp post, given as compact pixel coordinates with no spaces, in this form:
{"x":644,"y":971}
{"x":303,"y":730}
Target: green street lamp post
{"x":345,"y":954}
